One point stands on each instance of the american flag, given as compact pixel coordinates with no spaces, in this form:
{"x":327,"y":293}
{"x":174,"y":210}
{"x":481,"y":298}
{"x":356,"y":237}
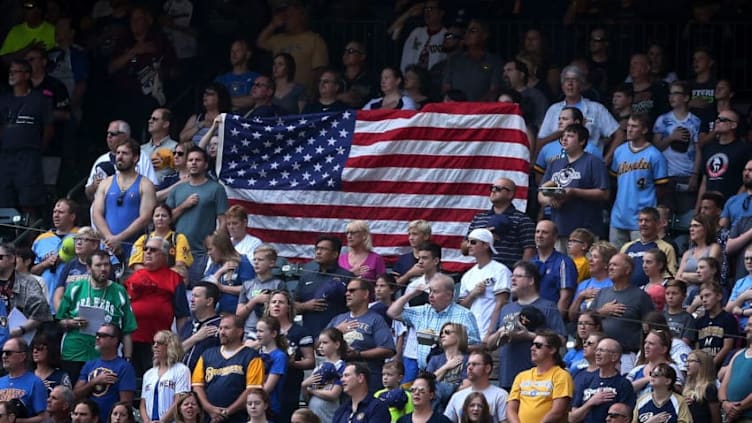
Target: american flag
{"x":305,"y":175}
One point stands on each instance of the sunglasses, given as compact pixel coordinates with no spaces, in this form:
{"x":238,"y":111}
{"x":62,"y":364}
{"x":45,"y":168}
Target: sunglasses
{"x":114,"y":133}
{"x":723,"y":119}
{"x":11,"y":352}
{"x":498,"y":188}
{"x":178,"y":153}
{"x":104,"y":335}
{"x":473,"y":241}
{"x":447,"y":332}
{"x":418,"y":390}
{"x":539,"y":345}
{"x":152,"y":249}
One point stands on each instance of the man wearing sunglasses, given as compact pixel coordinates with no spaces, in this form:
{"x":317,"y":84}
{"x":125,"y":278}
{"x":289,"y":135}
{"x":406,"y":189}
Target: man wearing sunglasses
{"x":619,"y":413}
{"x":514,"y":231}
{"x":160,"y":144}
{"x":22,"y":384}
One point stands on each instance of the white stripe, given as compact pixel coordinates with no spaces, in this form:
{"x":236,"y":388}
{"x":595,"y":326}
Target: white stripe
{"x":306,"y":251}
{"x":444,"y":148}
{"x":444,"y":120}
{"x":336,"y":225}
{"x":413,"y":174}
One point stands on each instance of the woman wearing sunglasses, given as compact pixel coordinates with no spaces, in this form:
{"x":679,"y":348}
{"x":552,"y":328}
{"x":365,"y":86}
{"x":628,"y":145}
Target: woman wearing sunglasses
{"x":423,"y":392}
{"x":662,"y":404}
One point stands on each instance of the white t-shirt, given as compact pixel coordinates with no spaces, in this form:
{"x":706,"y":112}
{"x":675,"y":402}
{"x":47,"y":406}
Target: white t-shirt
{"x":497,"y":278}
{"x":497,"y":402}
{"x":175,"y":380}
{"x":247,"y":246}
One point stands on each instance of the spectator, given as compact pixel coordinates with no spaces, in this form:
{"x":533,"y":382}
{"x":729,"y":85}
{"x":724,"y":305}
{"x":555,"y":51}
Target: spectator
{"x":599,"y":256}
{"x":224,"y":375}
{"x":587,"y":324}
{"x":429,"y":318}
{"x":160,"y":143}
{"x":273,"y":352}
{"x":735,"y":387}
{"x":330,"y":89}
{"x":139,"y":68}
{"x":321,"y":291}
{"x":544,"y":73}
{"x":25,"y":137}
{"x":654,"y":265}
{"x":157,"y":298}
{"x":519,"y":320}
{"x":33,"y":31}
{"x":262,"y":94}
{"x":45,"y":356}
{"x":309,"y":49}
{"x":216,"y":100}
{"x":236,"y":221}
{"x":733,"y":210}
{"x":708,"y":270}
{"x":78,"y":343}
{"x":423,"y":47}
{"x":407,"y":268}
{"x":361,"y":405}
{"x":360,"y":259}
{"x":288,"y":94}
{"x":622,"y":307}
{"x":739,"y":300}
{"x":198,"y":207}
{"x":85,"y":411}
{"x":258,"y":406}
{"x":553,"y":151}
{"x":450,"y":366}
{"x":716,"y":328}
{"x":724,"y":100}
{"x":239,"y":80}
{"x":203,"y":332}
{"x":86,"y":241}
{"x":368,"y":336}
{"x":516,"y":76}
{"x":476,"y":409}
{"x":69,"y":64}
{"x":227,"y":269}
{"x":605,"y":71}
{"x":188,"y":409}
{"x":123,"y":202}
{"x":179,"y":257}
{"x":593,"y":398}
{"x":323,"y":388}
{"x":359,"y":80}
{"x":46,"y":246}
{"x":700,"y":389}
{"x":299,"y":348}
{"x":417,"y":80}
{"x":256,"y":292}
{"x":304,"y":415}
{"x":451,"y":46}
{"x":583,"y":180}
{"x":679,"y":321}
{"x":558,"y":271}
{"x":391,"y":88}
{"x":578,"y":244}
{"x":514,"y":231}
{"x":484,"y":288}
{"x":655,"y":350}
{"x":479,"y":368}
{"x":399,"y":401}
{"x":118,"y":131}
{"x":22,"y":292}
{"x":647,"y":97}
{"x":180,"y":174}
{"x":384,"y":290}
{"x":122,"y":412}
{"x":597,"y":120}
{"x":20,"y":384}
{"x":647,"y":220}
{"x":621,"y":105}
{"x":544,"y":392}
{"x":672,"y":405}
{"x":476,"y":71}
{"x":60,"y":404}
{"x":423,"y":392}
{"x":108,"y":378}
{"x":660,"y":68}
{"x":584,"y":368}
{"x":702,"y":236}
{"x":703,"y":84}
{"x":164,"y":383}
{"x":637,"y":186}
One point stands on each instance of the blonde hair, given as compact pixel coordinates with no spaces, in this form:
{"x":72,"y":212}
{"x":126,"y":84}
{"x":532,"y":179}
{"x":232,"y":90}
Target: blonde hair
{"x":361,"y":225}
{"x":421,"y":226}
{"x":174,"y":347}
{"x":267,"y":250}
{"x":695,"y":386}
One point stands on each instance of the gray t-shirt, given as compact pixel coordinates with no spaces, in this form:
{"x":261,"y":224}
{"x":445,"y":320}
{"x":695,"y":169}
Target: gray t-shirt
{"x":251,"y":289}
{"x":200,"y":220}
{"x":627,"y":328}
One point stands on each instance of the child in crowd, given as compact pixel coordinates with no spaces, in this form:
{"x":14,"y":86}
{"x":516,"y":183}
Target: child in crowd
{"x":579,"y":243}
{"x":385,"y":287}
{"x":700,"y":390}
{"x":621,"y":105}
{"x":717,"y":328}
{"x":323,"y":388}
{"x":740,"y":300}
{"x":272,"y":347}
{"x":654,"y":265}
{"x":400,"y":401}
{"x":255,"y":292}
{"x":679,"y":321}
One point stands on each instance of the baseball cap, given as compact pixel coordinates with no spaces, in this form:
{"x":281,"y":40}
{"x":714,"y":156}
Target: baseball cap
{"x":483,"y":235}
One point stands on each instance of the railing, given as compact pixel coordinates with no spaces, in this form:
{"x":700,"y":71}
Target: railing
{"x":731,"y":43}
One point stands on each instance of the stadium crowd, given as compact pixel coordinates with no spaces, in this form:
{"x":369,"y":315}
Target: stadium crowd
{"x":622,"y":293}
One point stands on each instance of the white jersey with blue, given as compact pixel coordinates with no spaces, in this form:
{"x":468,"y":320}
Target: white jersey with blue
{"x":679,"y":163}
{"x":637,"y":172}
{"x":598,"y":121}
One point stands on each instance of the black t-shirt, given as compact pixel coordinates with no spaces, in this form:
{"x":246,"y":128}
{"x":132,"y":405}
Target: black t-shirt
{"x":723,"y":166}
{"x":701,"y":410}
{"x":653,"y":100}
{"x":23,"y":120}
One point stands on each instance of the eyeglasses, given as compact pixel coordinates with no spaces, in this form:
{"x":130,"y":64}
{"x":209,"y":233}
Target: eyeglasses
{"x":152,"y":249}
{"x":723,"y":119}
{"x":351,"y":290}
{"x":499,"y":188}
{"x":539,"y":345}
{"x":604,"y":350}
{"x":153,"y":119}
{"x":114,"y":133}
{"x":418,"y":390}
{"x":589,"y":343}
{"x":11,"y":352}
{"x":656,"y":373}
{"x":516,"y":276}
{"x":82,"y":240}
{"x":447,"y":332}
{"x":747,"y":258}
{"x":104,"y":335}
{"x":178,"y":153}
{"x":39,"y":347}
{"x":353,"y":51}
{"x":575,"y":241}
{"x":615,"y":415}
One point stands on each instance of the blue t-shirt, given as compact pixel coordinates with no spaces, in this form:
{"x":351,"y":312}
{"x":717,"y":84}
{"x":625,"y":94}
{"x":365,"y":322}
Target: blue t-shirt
{"x":228,"y":303}
{"x":557,"y":272}
{"x":647,"y":408}
{"x":330,"y":284}
{"x":453,"y":376}
{"x":28,"y":388}
{"x":275,"y":363}
{"x":585,"y":388}
{"x":572,"y":356}
{"x":740,"y":287}
{"x":404,"y":263}
{"x":554,"y":150}
{"x":238,"y":85}
{"x":591,"y":283}
{"x":679,"y":163}
{"x":107,"y":395}
{"x":734,"y":208}
{"x":637,"y":173}
{"x":46,"y":244}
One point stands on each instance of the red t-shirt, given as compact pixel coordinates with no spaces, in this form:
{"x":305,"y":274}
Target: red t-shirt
{"x":152,"y":298}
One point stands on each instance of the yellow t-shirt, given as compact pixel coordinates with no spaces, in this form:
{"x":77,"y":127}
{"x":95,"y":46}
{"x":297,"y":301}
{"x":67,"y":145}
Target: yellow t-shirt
{"x":181,"y":251}
{"x":22,"y":34}
{"x":583,"y":268}
{"x":537,"y":392}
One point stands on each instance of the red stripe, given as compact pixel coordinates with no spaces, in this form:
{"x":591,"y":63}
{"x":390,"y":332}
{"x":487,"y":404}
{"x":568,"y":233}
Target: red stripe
{"x":367,"y":212}
{"x":432,"y":188}
{"x":427,"y":133}
{"x":424,"y":161}
{"x":382,"y":240}
{"x":462,"y":108}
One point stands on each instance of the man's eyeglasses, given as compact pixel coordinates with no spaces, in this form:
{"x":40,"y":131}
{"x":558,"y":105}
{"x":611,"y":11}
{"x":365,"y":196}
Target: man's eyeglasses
{"x":11,"y":352}
{"x":114,"y":133}
{"x":499,"y":188}
{"x":152,"y":249}
{"x":104,"y":335}
{"x":539,"y":345}
{"x":353,"y":51}
{"x":351,"y":290}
